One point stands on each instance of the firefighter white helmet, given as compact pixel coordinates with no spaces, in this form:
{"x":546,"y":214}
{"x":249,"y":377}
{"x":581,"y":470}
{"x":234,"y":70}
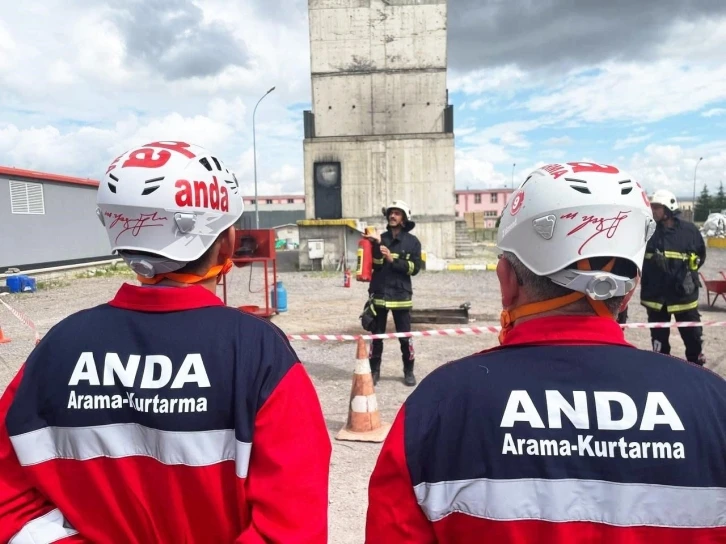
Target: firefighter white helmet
{"x":565,"y":213}
{"x":169,"y":199}
{"x":398,"y":205}
{"x":665,"y":198}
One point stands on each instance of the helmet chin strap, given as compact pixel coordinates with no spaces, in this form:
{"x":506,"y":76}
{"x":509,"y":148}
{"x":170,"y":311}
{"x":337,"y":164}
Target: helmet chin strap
{"x":216,"y":271}
{"x":508,"y":317}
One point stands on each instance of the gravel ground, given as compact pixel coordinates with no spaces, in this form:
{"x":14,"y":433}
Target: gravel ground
{"x":317,"y":303}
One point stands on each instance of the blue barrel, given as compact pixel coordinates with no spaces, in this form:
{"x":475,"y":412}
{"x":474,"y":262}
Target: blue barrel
{"x":14,"y":283}
{"x":27,"y":284}
{"x":282,"y":295}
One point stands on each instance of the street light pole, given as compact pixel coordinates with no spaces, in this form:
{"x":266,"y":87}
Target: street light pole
{"x":513,"y":165}
{"x":254,"y":152}
{"x":694,"y":188}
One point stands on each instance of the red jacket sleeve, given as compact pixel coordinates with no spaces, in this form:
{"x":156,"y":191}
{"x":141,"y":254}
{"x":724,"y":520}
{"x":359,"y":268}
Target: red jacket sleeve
{"x":394,"y":516}
{"x":287,"y":481}
{"x":26,"y":516}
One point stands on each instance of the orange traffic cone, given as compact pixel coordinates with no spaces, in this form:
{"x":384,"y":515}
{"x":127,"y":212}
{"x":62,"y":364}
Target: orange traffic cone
{"x":3,"y":339}
{"x":364,"y":422}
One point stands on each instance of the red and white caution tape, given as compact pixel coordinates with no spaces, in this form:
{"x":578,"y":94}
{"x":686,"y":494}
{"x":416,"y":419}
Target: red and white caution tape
{"x":23,"y":319}
{"x":464,"y":331}
{"x":470,"y":331}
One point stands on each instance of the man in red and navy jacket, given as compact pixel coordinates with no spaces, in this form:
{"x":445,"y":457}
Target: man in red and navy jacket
{"x":164,"y":416}
{"x":564,"y":433}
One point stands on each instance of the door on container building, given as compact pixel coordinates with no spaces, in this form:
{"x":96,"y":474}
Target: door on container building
{"x":327,"y":188}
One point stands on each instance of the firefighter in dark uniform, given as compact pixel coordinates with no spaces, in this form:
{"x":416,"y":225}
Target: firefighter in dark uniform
{"x":673,"y":256}
{"x":396,"y":257}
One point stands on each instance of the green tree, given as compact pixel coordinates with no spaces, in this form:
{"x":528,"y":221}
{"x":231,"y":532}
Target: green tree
{"x":719,"y":202}
{"x":703,"y":205}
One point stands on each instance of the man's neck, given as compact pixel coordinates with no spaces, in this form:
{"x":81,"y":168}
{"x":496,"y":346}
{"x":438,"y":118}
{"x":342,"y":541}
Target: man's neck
{"x":668,"y":223}
{"x":395,"y":231}
{"x":209,"y":284}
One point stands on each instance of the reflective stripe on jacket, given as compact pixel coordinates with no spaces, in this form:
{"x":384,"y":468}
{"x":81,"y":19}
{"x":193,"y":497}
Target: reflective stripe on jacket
{"x":564,"y":434}
{"x":391,"y":283}
{"x":671,"y":254}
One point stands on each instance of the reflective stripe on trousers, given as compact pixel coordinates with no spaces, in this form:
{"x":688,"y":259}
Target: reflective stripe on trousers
{"x":672,"y":308}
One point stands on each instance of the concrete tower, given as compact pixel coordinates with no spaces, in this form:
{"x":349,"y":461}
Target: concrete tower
{"x":381,"y":127}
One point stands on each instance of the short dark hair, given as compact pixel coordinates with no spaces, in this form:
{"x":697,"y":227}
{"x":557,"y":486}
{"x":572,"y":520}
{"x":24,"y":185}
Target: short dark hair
{"x":542,"y":288}
{"x":197,"y":267}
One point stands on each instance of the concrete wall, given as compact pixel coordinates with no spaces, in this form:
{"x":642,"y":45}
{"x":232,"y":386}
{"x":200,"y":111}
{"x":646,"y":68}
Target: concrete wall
{"x":378,"y":76}
{"x":335,"y":239}
{"x":378,"y":67}
{"x":68,"y":230}
{"x":375,"y":171}
{"x":379,"y":103}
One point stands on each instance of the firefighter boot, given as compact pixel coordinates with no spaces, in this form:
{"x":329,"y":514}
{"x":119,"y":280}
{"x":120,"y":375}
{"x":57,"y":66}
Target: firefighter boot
{"x":408,"y":377}
{"x":374,"y":359}
{"x":408,"y":358}
{"x":375,"y":363}
{"x":700,"y":360}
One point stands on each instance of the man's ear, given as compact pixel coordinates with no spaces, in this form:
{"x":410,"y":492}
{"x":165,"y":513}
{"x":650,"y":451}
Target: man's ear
{"x":227,"y":243}
{"x":508,"y":283}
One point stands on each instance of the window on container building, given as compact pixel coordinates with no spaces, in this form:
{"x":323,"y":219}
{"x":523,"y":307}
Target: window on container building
{"x":268,"y":201}
{"x":457,"y":199}
{"x":477,"y":198}
{"x":26,"y":198}
{"x":494,"y":198}
{"x":291,"y":201}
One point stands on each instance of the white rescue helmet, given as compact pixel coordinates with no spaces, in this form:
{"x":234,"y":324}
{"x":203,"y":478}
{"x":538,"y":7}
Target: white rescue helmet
{"x":169,"y":199}
{"x":665,"y":198}
{"x":398,"y":205}
{"x":567,"y":212}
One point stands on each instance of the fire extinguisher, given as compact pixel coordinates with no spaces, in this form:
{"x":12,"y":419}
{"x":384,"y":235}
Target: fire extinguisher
{"x":346,"y":278}
{"x":364,"y":270}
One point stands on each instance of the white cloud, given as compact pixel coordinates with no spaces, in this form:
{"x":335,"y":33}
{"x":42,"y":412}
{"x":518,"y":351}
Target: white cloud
{"x":475,"y":169}
{"x":82,"y":76}
{"x":514,"y":139}
{"x":506,"y":133}
{"x":563,"y":140}
{"x":88,"y":101}
{"x":634,"y":92}
{"x":631,"y":140}
{"x":672,"y":167}
{"x":553,"y":154}
{"x":230,"y":112}
{"x":714,"y":112}
{"x":506,"y":78}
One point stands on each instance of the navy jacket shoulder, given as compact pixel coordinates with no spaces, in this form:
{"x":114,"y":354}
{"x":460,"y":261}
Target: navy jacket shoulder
{"x":594,"y":412}
{"x":206,"y":368}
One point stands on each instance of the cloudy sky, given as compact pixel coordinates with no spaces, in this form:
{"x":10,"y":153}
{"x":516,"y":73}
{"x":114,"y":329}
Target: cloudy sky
{"x":641,"y":84}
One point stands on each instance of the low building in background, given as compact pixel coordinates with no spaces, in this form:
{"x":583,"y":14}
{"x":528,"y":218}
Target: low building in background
{"x":48,"y":220}
{"x":481,"y":207}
